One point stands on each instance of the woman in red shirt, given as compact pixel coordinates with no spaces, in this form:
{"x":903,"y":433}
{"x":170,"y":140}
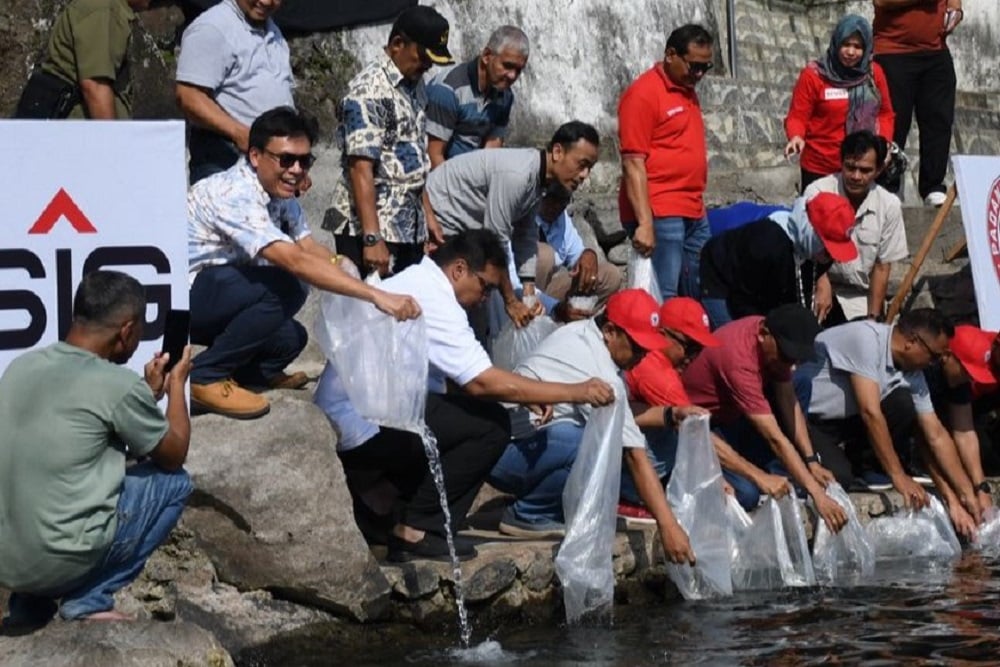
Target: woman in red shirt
{"x":839,"y":93}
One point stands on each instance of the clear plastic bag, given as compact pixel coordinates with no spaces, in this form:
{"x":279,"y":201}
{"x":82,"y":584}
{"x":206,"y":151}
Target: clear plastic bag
{"x":513,"y":345}
{"x":590,"y":499}
{"x":641,"y":274}
{"x":696,"y":495}
{"x":773,"y":552}
{"x":382,"y":363}
{"x":923,"y":534}
{"x":988,"y":534}
{"x":847,"y":557}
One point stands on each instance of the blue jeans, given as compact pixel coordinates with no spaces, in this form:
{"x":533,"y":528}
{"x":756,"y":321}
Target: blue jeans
{"x":717,"y":311}
{"x":244,"y":314}
{"x":535,"y":470}
{"x":677,"y":255}
{"x":749,"y":444}
{"x":150,"y":503}
{"x":661,"y":448}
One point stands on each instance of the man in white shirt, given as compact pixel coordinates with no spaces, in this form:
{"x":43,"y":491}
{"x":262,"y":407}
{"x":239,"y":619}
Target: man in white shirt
{"x":471,"y":427}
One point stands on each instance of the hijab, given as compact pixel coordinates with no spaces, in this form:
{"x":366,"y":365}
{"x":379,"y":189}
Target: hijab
{"x":864,"y":100}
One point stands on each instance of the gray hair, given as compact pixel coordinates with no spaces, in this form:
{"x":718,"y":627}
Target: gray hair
{"x":508,"y":37}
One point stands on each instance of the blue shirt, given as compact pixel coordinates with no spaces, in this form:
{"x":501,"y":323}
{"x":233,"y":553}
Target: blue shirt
{"x":462,"y":115}
{"x":567,"y":244}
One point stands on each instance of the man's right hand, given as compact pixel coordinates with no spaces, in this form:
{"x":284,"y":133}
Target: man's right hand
{"x":644,"y":239}
{"x":794,"y":146}
{"x":832,"y":513}
{"x":775,"y":486}
{"x":400,"y":306}
{"x":595,"y":392}
{"x":914,"y":495}
{"x":520,"y":313}
{"x":376,"y":257}
{"x":676,"y":545}
{"x":178,"y":375}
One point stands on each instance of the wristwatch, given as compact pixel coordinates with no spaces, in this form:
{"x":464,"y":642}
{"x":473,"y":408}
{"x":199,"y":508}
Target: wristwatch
{"x":985,"y":487}
{"x":371,"y":239}
{"x":814,"y":458}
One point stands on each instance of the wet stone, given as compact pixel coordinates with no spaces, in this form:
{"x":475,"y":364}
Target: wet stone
{"x":539,"y":573}
{"x":413,"y":580}
{"x":489,"y":580}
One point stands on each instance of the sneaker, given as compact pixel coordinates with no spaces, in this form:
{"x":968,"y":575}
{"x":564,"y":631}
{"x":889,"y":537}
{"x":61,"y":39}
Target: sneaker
{"x":512,"y":526}
{"x":876,"y":481}
{"x":635,"y":514}
{"x":296,"y":380}
{"x":228,"y":399}
{"x":935,"y":199}
{"x":431,"y":547}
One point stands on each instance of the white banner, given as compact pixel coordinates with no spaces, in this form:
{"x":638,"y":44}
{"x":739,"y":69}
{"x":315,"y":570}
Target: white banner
{"x":978,"y":180}
{"x":81,"y":196}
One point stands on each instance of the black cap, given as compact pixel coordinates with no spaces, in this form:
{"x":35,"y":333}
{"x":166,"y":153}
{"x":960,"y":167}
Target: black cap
{"x":794,"y":328}
{"x":425,"y":26}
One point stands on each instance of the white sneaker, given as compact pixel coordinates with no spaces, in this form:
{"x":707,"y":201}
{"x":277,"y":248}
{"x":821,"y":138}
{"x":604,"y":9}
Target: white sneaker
{"x":935,"y":199}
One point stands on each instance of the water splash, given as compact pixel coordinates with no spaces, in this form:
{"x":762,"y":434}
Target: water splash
{"x":490,"y":651}
{"x":434,"y":463}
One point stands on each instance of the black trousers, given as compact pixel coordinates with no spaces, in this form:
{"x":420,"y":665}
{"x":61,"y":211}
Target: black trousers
{"x":402,"y":254}
{"x":857,"y":454}
{"x":471,"y":435}
{"x":923,"y":83}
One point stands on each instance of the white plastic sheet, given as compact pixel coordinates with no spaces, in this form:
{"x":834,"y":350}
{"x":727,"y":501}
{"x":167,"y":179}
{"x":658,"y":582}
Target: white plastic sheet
{"x":382,"y":363}
{"x":590,"y":501}
{"x":513,"y":345}
{"x":772,"y":552}
{"x":847,"y":557}
{"x":695,"y":494}
{"x":926,"y":534}
{"x":641,"y":274}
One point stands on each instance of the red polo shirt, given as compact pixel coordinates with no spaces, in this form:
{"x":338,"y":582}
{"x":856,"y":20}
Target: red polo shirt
{"x":662,"y":122}
{"x":913,"y":29}
{"x":655,"y":381}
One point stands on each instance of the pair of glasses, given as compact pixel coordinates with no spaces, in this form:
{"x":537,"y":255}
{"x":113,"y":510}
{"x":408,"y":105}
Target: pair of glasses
{"x":936,"y":357}
{"x":286,"y":160}
{"x":690,"y":347}
{"x":698,"y":69}
{"x":487,"y":287}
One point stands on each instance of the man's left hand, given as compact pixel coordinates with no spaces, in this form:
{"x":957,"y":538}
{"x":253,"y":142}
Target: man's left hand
{"x":521,"y":314}
{"x":953,"y":16}
{"x":821,"y":474}
{"x":585,"y":273}
{"x":682,"y":412}
{"x":155,"y":374}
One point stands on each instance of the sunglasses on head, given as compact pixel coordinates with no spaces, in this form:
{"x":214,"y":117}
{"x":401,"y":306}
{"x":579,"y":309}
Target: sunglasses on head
{"x":286,"y":160}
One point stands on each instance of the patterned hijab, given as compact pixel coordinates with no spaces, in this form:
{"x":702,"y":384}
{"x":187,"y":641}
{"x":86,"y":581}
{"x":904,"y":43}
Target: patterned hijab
{"x":864,"y":100}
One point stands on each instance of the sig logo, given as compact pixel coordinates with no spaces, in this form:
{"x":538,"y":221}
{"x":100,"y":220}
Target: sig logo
{"x":993,"y":224}
{"x":56,"y":269}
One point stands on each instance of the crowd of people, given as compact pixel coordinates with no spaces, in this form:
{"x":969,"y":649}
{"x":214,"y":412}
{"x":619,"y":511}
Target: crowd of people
{"x":775,"y":327}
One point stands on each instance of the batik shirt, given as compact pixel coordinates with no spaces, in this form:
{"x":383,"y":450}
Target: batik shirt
{"x":382,"y":118}
{"x":231,"y":219}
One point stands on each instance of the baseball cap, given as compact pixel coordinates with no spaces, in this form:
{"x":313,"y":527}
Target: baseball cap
{"x":635,"y":311}
{"x":832,"y":217}
{"x":425,"y":26}
{"x":794,"y":328}
{"x":685,"y":315}
{"x":971,"y":346}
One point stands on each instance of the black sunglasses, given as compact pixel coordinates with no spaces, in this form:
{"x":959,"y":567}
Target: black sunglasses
{"x":697,"y":68}
{"x":691,"y":348}
{"x":286,"y":160}
{"x":487,"y":287}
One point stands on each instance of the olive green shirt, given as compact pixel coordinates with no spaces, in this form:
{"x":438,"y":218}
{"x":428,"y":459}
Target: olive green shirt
{"x":90,"y":40}
{"x":67,"y":418}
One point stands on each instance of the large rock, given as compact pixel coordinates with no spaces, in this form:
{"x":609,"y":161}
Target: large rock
{"x":272,"y":509}
{"x":135,"y":644}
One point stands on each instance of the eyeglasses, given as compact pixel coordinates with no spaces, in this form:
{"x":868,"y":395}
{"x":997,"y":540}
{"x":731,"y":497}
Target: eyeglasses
{"x":936,"y":357}
{"x":691,"y":348}
{"x":484,"y":285}
{"x":698,"y":69}
{"x":286,"y":160}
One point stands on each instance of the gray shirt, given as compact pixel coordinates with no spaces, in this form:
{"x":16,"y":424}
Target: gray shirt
{"x":497,"y":189}
{"x":857,"y":348}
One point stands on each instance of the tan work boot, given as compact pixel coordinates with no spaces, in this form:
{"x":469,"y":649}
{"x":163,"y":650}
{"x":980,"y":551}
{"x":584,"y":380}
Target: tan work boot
{"x":296,"y":380}
{"x":227,"y":398}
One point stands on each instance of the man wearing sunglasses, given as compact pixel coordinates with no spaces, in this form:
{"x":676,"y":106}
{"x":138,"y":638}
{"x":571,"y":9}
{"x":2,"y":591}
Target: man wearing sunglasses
{"x":250,"y":256}
{"x":746,"y":383}
{"x":665,"y":162}
{"x":866,"y":391}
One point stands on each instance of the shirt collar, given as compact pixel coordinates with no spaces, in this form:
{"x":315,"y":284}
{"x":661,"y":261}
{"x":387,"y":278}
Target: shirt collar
{"x":670,"y":85}
{"x":246,"y":171}
{"x":246,"y":22}
{"x":543,"y":171}
{"x":867,"y":206}
{"x":392,"y":72}
{"x":472,"y":71}
{"x":889,"y":363}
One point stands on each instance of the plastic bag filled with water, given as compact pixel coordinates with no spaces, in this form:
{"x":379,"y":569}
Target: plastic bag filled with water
{"x":695,"y":494}
{"x":641,"y":274}
{"x":590,"y":501}
{"x":513,"y":345}
{"x":845,"y":558}
{"x":382,"y":363}
{"x":923,"y":534}
{"x":988,"y":534}
{"x":773,"y":551}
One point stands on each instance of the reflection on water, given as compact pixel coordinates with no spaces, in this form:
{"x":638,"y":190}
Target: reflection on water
{"x":931,"y":615}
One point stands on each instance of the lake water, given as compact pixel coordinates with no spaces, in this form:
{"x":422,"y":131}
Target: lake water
{"x":907,"y":614}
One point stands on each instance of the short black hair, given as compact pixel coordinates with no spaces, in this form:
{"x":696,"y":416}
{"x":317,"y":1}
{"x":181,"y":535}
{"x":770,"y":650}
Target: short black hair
{"x":478,"y":247}
{"x":569,"y":133}
{"x":108,"y":298}
{"x":683,"y":37}
{"x":928,"y":320}
{"x":856,"y":144}
{"x":282,"y":122}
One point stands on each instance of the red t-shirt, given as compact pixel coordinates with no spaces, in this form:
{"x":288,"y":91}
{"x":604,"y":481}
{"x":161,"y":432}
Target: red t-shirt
{"x":729,"y":380}
{"x":662,"y":122}
{"x":655,"y":381}
{"x":818,"y":113}
{"x":914,"y":29}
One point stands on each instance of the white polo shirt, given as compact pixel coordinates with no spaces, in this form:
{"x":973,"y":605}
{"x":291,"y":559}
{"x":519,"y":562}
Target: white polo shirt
{"x":452,"y":349}
{"x":574,"y":353}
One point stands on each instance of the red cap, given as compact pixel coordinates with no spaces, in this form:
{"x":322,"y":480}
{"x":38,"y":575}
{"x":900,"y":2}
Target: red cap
{"x":971,"y":346}
{"x":685,"y":315}
{"x":635,"y":311}
{"x":832,"y":217}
